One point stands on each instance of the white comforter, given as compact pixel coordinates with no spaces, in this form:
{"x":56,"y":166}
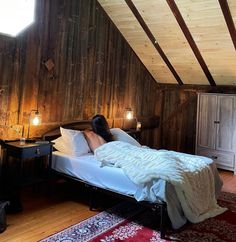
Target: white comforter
{"x":190,"y":175}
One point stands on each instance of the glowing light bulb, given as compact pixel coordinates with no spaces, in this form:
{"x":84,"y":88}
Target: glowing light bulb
{"x":36,"y":120}
{"x":129,"y":115}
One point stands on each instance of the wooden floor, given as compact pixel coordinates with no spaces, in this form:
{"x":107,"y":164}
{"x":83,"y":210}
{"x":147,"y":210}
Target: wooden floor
{"x":229,"y":181}
{"x":47,"y":211}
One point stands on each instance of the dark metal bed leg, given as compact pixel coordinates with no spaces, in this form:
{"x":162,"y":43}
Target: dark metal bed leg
{"x":163,"y":220}
{"x":91,"y":199}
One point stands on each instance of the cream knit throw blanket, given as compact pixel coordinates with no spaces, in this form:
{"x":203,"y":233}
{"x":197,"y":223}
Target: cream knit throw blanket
{"x":191,"y":175}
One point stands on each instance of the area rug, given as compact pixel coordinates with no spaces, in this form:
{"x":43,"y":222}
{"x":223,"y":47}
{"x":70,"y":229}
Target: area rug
{"x":131,"y":223}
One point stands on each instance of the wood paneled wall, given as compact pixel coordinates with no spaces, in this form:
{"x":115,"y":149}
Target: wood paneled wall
{"x":73,"y":63}
{"x":178,"y":115}
{"x":70,"y":64}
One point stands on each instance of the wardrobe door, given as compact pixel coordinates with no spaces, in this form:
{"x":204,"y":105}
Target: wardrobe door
{"x":227,"y":123}
{"x":207,"y":120}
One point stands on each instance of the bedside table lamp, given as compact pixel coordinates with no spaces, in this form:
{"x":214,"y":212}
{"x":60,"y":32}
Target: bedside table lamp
{"x":34,"y":119}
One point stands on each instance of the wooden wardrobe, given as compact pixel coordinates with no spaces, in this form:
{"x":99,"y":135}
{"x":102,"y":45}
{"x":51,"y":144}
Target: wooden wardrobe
{"x":216,"y":128}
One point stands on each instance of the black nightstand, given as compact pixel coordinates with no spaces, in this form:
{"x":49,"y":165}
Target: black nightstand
{"x":136,"y":134}
{"x":26,"y":151}
{"x":22,"y":153}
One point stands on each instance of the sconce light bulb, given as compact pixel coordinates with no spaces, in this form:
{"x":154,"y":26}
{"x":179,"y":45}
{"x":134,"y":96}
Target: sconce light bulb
{"x":36,"y":121}
{"x":129,"y":115}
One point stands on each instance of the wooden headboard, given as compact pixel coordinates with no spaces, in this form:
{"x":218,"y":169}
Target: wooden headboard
{"x":55,"y":132}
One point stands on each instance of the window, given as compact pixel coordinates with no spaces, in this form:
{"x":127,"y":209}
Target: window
{"x":15,"y":16}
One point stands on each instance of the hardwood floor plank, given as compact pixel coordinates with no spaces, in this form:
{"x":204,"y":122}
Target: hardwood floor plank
{"x":45,"y":214}
{"x":229,"y":181}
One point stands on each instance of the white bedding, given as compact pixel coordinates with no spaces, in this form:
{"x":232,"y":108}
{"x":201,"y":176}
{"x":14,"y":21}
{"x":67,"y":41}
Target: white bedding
{"x":88,"y":168}
{"x":191,"y":175}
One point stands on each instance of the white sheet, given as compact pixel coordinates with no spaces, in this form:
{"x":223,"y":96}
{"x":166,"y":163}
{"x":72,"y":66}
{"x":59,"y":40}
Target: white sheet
{"x":87,"y":168}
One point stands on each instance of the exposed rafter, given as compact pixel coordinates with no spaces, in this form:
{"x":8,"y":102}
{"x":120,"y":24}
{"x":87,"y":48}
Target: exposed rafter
{"x":153,"y":39}
{"x":228,"y":19}
{"x":190,"y":40}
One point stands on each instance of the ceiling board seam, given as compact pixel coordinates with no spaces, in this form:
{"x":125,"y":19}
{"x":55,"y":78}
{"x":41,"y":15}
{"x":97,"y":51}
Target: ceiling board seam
{"x":190,"y":40}
{"x":228,"y":19}
{"x":153,"y":40}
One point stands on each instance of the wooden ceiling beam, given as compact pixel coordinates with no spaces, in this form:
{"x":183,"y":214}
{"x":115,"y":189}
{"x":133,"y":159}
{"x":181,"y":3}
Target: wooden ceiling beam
{"x":229,"y":20}
{"x":153,"y":40}
{"x":190,"y":40}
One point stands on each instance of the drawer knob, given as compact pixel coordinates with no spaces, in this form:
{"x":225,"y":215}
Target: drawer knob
{"x":37,"y":152}
{"x":214,"y":157}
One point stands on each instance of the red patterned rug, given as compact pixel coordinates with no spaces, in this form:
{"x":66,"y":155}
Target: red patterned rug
{"x":131,"y":223}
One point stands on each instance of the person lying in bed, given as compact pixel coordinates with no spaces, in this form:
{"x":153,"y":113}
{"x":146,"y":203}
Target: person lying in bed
{"x":101,"y":127}
{"x":101,"y":133}
{"x":192,"y":176}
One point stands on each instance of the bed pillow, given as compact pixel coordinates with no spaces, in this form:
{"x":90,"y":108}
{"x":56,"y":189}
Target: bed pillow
{"x":120,"y":135}
{"x":94,"y":140}
{"x":60,"y":145}
{"x":74,"y":141}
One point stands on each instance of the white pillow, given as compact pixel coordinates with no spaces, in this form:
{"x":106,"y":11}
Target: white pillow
{"x":120,"y":135}
{"x":73,"y":142}
{"x":60,"y":145}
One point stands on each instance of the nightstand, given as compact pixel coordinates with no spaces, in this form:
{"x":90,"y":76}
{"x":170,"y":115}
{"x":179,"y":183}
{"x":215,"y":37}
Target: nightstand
{"x":136,"y":134}
{"x":22,"y":153}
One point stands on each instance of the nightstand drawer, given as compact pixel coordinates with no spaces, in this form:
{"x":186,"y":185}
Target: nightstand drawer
{"x":28,"y":150}
{"x":35,"y":152}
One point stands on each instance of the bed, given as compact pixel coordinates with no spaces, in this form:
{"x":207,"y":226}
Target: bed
{"x":87,"y":169}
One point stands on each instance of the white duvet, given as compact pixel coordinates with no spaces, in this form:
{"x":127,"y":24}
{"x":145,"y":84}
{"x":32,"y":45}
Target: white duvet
{"x":191,"y":175}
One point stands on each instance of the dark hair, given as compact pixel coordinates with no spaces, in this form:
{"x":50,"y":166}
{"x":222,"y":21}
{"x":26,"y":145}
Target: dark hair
{"x":101,"y":127}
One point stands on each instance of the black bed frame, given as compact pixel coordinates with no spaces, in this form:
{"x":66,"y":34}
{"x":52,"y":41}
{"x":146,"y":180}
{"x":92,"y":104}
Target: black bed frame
{"x":159,"y":207}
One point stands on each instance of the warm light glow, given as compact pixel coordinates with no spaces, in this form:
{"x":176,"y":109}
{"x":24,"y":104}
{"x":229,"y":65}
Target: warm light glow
{"x":129,"y":114}
{"x":16,"y":15}
{"x":36,"y":120}
{"x":138,"y":126}
{"x":35,"y":117}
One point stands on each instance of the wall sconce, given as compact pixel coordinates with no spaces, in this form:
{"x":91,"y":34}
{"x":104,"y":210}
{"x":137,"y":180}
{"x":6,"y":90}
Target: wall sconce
{"x":128,"y":114}
{"x":34,"y":119}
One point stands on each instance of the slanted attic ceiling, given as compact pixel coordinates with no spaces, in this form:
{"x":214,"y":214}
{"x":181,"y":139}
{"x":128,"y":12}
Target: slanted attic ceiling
{"x":181,"y":41}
